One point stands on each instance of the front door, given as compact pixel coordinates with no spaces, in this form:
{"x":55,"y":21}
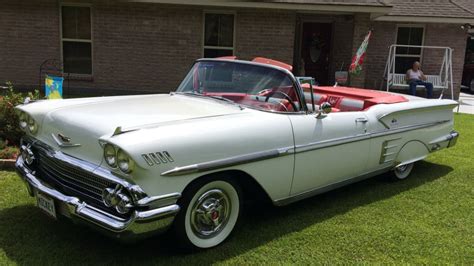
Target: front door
{"x":329,"y":150}
{"x":315,"y":51}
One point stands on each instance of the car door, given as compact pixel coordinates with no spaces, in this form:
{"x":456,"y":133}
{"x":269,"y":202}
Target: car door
{"x":328,"y":149}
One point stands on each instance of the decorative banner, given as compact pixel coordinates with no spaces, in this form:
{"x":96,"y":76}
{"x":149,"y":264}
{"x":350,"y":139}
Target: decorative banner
{"x":53,"y":87}
{"x":358,"y":59}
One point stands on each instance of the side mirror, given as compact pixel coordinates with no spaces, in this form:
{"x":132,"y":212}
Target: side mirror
{"x":324,"y":109}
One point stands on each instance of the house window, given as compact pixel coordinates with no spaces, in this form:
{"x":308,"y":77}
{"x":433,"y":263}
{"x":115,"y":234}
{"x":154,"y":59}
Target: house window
{"x":76,"y":39}
{"x":405,"y":56}
{"x":218,"y":35}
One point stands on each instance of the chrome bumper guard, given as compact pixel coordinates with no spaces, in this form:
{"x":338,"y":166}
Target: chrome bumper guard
{"x":453,"y":138}
{"x":140,"y":223}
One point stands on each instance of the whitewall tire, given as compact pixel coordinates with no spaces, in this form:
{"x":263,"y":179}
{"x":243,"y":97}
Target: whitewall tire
{"x":403,"y":171}
{"x":209,"y":212}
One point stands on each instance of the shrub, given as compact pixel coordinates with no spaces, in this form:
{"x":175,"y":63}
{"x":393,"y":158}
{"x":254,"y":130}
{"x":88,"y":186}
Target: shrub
{"x":9,"y":152}
{"x":9,"y":129}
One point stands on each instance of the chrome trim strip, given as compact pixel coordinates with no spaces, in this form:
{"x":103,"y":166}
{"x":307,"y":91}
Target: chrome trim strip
{"x":344,"y":140}
{"x":320,"y":190}
{"x":258,"y":156}
{"x":240,"y":159}
{"x":62,"y":144}
{"x":150,"y":200}
{"x":330,"y":142}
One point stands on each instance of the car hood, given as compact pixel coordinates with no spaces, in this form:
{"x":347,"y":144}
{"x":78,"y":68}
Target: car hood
{"x":85,"y":121}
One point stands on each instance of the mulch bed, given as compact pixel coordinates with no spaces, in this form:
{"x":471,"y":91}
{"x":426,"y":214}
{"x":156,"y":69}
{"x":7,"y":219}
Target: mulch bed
{"x":7,"y":164}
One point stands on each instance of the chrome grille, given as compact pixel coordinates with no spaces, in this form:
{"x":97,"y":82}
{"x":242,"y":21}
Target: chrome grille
{"x":71,"y":179}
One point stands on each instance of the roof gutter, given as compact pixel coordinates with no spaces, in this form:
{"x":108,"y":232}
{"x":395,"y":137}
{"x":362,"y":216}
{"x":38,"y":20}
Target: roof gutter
{"x":273,"y":5}
{"x":421,"y":19}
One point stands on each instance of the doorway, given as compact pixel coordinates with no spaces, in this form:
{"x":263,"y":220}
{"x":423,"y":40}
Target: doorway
{"x":313,"y":56}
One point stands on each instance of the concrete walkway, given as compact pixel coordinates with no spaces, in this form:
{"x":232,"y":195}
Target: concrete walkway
{"x":466,"y":103}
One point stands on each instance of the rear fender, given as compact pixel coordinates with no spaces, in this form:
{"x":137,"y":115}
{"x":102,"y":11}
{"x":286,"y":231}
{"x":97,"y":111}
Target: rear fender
{"x":412,"y":151}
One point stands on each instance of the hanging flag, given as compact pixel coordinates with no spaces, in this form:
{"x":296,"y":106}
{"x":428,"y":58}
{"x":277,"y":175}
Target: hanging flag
{"x":53,"y":87}
{"x":358,"y":59}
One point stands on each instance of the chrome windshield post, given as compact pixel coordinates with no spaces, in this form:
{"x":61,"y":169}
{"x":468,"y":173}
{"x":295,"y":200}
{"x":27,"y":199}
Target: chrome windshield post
{"x":311,"y":81}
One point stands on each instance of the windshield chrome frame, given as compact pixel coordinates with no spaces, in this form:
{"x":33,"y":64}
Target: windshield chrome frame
{"x":299,"y":93}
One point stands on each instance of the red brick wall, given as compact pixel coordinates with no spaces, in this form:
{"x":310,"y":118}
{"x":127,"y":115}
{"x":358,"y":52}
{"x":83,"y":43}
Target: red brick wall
{"x":265,"y":33}
{"x":29,"y":33}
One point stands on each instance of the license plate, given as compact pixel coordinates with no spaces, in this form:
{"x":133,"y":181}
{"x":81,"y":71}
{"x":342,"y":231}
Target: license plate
{"x":46,"y":204}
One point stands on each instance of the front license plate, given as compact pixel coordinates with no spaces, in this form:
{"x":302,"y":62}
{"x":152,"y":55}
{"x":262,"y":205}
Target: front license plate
{"x":46,"y":204}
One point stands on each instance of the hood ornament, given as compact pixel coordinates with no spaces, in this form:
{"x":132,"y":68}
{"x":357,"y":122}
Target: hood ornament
{"x":63,"y":140}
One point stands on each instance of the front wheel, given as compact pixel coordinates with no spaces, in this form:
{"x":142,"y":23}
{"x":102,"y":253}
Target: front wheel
{"x":402,"y":172}
{"x":210,"y":210}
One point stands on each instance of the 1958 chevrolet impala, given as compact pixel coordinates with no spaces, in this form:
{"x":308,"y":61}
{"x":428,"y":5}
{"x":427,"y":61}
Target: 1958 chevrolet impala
{"x":135,"y":165}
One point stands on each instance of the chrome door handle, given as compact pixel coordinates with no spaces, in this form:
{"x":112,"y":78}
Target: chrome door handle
{"x":362,"y":120}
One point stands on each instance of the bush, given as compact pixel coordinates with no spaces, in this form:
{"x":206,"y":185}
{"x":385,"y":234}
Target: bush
{"x":9,"y":129}
{"x":9,"y":152}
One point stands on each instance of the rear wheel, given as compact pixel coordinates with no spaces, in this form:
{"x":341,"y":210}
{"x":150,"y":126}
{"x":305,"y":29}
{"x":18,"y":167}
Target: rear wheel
{"x":210,"y":210}
{"x":402,"y":172}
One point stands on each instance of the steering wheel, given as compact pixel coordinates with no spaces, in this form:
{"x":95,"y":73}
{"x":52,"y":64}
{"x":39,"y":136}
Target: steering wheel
{"x":288,"y":98}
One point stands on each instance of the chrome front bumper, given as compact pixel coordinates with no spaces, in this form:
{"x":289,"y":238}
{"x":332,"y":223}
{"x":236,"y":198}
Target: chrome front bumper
{"x":140,"y":224}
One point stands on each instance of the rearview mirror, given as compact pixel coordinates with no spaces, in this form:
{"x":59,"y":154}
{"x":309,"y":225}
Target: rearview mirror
{"x":324,"y":109}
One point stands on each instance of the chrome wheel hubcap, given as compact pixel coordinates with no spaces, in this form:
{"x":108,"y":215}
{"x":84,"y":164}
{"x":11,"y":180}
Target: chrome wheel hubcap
{"x":210,"y":213}
{"x":402,"y":168}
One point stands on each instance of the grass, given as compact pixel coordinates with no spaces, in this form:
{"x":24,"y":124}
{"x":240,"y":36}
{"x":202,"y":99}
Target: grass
{"x":427,"y":219}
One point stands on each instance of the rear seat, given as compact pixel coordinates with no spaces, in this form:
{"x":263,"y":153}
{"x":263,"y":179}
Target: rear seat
{"x":318,"y":98}
{"x":348,"y":104}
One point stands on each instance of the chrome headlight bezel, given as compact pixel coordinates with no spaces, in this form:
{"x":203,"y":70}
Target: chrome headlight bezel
{"x":32,"y":125}
{"x":110,"y":155}
{"x":124,"y":162}
{"x":23,"y":120}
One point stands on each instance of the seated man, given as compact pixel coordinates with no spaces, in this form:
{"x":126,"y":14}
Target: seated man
{"x":416,"y":77}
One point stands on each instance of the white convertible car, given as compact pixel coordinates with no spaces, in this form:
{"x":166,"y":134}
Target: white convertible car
{"x":136,"y":165}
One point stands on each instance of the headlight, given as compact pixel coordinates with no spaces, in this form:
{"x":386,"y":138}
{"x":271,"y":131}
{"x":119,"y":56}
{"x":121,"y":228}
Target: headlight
{"x":32,"y":126}
{"x":110,"y":155}
{"x":125,"y":163}
{"x":23,"y":118}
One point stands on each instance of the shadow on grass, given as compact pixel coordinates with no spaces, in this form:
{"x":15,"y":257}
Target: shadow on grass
{"x":29,"y":237}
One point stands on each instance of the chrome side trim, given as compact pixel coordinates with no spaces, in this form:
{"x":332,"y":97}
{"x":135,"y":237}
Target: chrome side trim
{"x":240,"y":159}
{"x":150,"y":200}
{"x":344,"y":140}
{"x":330,"y":142}
{"x":258,"y":156}
{"x":314,"y":192}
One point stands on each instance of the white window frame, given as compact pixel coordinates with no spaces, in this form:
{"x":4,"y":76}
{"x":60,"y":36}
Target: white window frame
{"x":62,"y":40}
{"x":422,"y":40}
{"x":219,"y":12}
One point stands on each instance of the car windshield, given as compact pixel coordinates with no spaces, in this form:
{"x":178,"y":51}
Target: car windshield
{"x":251,"y":85}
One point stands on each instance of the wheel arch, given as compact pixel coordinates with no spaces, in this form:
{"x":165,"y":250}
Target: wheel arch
{"x":250,"y":187}
{"x":411,"y":151}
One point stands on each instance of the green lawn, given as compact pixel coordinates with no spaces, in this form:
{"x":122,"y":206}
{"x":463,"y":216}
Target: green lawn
{"x":426,"y":219}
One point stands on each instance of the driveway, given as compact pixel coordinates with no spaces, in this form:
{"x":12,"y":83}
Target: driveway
{"x":466,"y":103}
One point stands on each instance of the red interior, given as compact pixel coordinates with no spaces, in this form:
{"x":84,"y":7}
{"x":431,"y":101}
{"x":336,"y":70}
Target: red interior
{"x":342,"y":99}
{"x":367,"y":98}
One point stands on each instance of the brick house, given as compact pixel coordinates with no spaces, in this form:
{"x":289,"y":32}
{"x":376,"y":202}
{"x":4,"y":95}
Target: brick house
{"x":143,"y":46}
